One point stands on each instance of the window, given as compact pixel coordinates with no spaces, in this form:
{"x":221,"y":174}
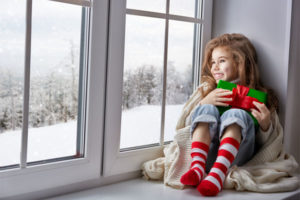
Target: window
{"x":52,"y":113}
{"x":153,"y":66}
{"x":53,"y":129}
{"x":78,"y":56}
{"x":11,"y":80}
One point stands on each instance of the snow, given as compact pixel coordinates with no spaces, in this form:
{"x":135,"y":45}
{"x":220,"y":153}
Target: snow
{"x":43,"y":143}
{"x":146,"y":121}
{"x":140,"y":126}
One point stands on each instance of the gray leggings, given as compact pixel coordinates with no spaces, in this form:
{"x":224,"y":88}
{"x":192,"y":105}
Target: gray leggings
{"x":209,"y":113}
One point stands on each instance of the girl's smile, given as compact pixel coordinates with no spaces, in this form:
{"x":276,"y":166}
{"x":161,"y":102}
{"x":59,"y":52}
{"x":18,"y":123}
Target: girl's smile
{"x":223,"y":66}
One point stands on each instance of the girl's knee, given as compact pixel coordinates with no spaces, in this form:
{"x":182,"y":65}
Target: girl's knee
{"x":237,"y":115}
{"x":207,"y":114}
{"x":206,"y":109}
{"x":240,"y":118}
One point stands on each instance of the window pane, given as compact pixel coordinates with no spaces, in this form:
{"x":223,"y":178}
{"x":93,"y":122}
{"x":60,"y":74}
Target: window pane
{"x":185,"y":7}
{"x":12,"y":46}
{"x":56,"y":31}
{"x":153,"y":5}
{"x":179,"y":75}
{"x":142,"y":83}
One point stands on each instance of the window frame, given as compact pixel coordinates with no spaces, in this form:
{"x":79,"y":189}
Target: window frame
{"x":132,"y":160}
{"x":14,"y":181}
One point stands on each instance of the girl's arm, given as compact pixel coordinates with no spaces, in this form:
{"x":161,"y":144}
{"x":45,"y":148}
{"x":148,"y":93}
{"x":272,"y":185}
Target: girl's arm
{"x":263,"y":116}
{"x":262,"y":136}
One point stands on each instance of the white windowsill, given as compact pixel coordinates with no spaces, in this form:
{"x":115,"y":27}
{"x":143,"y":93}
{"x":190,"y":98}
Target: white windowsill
{"x":139,"y":188}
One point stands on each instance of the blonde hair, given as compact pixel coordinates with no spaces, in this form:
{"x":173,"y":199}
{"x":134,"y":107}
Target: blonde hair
{"x":244,"y":54}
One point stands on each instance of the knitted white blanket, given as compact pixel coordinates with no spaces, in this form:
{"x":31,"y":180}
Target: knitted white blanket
{"x":270,"y":170}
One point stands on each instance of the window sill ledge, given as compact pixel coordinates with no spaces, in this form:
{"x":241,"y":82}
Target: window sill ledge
{"x":137,"y":188}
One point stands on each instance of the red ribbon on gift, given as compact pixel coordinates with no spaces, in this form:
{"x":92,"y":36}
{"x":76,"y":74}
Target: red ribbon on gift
{"x":240,"y":100}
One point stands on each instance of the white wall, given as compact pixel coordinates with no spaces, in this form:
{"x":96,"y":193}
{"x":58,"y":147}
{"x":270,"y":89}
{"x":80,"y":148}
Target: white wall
{"x":267,"y":23}
{"x":292,"y":120}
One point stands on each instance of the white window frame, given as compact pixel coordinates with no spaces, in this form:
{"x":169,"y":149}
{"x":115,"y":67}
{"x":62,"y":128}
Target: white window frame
{"x":31,"y":179}
{"x":116,"y":162}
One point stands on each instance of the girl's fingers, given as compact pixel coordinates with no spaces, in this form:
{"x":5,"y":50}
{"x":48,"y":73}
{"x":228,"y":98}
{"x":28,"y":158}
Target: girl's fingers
{"x":221,"y":104}
{"x":224,"y":93}
{"x":264,"y":108}
{"x":222,"y":90}
{"x":256,"y":114}
{"x":260,"y":106}
{"x":224,"y":99}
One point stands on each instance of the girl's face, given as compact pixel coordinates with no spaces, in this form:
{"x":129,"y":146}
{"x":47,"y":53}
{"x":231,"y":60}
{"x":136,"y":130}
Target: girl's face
{"x":223,"y":65}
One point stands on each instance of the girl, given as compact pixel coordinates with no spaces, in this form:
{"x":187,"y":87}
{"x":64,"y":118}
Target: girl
{"x":221,"y":141}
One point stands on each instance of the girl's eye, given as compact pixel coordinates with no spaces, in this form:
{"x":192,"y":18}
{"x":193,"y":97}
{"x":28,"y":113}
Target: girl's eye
{"x":222,"y":60}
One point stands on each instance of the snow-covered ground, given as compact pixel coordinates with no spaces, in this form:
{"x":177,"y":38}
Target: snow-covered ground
{"x":140,"y":126}
{"x":43,"y":143}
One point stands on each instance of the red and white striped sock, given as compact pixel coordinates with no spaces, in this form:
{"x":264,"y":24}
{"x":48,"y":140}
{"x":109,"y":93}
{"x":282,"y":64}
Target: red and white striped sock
{"x":196,"y":172}
{"x":213,"y":183}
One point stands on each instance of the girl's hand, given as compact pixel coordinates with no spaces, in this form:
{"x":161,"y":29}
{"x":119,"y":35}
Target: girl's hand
{"x":262,"y":114}
{"x":216,"y":97}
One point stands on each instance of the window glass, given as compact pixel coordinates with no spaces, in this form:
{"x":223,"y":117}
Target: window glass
{"x":179,"y":73}
{"x":186,"y":8}
{"x":55,"y":66}
{"x":142,"y":81}
{"x":12,"y":47}
{"x":153,"y":5}
{"x":143,"y":72}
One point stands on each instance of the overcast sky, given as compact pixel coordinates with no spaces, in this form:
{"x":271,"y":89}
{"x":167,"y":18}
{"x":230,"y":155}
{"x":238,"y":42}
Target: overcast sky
{"x":55,"y":25}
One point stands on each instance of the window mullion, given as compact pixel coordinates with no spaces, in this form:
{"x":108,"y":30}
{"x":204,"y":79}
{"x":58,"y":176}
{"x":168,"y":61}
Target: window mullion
{"x":83,"y":70}
{"x":162,"y":130}
{"x":197,"y":57}
{"x":204,"y":31}
{"x":26,"y":92}
{"x":85,"y":3}
{"x":163,"y":15}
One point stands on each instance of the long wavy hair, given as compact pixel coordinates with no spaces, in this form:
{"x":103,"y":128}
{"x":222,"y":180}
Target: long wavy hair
{"x":245,"y":57}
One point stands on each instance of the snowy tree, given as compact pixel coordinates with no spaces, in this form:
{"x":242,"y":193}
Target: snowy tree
{"x":143,"y":86}
{"x":11,"y":100}
{"x":187,"y":82}
{"x":129,"y":93}
{"x":71,"y":65}
{"x":147,"y":76}
{"x":179,"y":84}
{"x":4,"y":120}
{"x":53,"y":97}
{"x":48,"y":103}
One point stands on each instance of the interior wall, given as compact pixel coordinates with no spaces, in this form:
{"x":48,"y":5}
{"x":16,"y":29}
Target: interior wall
{"x":292,"y":141}
{"x":267,"y":24}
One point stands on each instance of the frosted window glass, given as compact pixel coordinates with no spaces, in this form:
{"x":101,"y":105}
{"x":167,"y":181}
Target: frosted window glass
{"x":53,"y":107}
{"x":12,"y":50}
{"x":142,"y":81}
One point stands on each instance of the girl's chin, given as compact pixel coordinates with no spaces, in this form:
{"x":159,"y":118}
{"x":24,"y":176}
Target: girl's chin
{"x":217,"y":81}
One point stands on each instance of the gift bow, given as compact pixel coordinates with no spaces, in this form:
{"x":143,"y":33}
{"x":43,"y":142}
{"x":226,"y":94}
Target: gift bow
{"x":240,"y":100}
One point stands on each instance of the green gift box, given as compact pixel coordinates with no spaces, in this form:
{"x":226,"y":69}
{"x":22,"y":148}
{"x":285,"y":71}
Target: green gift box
{"x":259,"y":95}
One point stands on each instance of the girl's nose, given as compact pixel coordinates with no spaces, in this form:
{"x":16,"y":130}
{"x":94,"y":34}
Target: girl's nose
{"x":216,"y":66}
